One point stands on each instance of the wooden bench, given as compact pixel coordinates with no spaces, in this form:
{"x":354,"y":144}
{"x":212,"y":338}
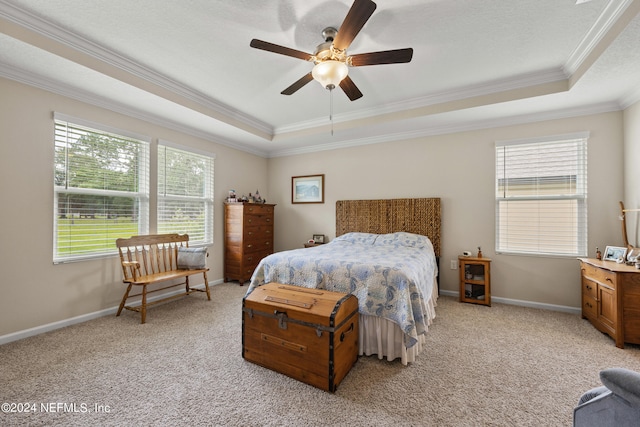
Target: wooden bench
{"x":151,"y":259}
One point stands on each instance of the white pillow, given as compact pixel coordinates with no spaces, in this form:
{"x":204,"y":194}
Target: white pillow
{"x":192,"y":258}
{"x":403,"y":238}
{"x":362,"y":238}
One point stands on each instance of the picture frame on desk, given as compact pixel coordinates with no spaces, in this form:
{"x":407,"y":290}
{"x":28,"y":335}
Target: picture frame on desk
{"x":318,"y":238}
{"x":614,"y":253}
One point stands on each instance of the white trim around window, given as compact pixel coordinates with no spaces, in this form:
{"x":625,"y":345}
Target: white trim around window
{"x":185,"y":192}
{"x":101,"y":188}
{"x":541,"y":196}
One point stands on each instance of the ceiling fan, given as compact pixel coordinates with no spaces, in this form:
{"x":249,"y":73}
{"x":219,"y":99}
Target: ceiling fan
{"x":331,"y":59}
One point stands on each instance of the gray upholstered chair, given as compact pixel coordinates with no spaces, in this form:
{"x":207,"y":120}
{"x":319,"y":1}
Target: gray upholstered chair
{"x":616,"y":403}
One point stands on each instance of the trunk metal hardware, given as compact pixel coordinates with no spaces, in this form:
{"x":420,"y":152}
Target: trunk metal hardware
{"x":282,"y":318}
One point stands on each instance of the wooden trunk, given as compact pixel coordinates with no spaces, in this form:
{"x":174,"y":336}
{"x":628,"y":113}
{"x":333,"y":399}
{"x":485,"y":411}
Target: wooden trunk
{"x":310,"y":335}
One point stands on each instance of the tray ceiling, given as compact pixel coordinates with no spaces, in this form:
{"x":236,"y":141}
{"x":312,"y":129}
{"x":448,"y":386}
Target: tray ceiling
{"x":188,"y":65}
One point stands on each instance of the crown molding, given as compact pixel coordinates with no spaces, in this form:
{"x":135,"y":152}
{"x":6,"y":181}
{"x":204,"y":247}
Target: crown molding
{"x":87,"y":47}
{"x":454,"y":128}
{"x":605,"y":22}
{"x":630,"y":99}
{"x":612,"y":14}
{"x":37,"y":81}
{"x":498,"y":86}
{"x":491,"y":98}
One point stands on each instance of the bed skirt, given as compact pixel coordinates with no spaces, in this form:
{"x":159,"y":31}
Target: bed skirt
{"x":386,"y":339}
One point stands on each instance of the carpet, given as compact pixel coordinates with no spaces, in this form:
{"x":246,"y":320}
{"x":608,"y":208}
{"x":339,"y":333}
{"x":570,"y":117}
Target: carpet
{"x":483,"y":366}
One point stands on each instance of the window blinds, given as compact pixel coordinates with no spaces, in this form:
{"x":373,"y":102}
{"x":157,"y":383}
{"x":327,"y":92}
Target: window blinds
{"x":541,"y":196}
{"x":101,"y":189}
{"x":185,"y":193}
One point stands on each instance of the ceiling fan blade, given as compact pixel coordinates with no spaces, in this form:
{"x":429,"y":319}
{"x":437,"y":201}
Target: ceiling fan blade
{"x":297,"y":85}
{"x":350,"y":88}
{"x":358,"y":15}
{"x":270,"y":47}
{"x":396,"y":56}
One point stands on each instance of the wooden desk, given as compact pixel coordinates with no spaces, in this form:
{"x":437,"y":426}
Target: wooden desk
{"x":611,"y":299}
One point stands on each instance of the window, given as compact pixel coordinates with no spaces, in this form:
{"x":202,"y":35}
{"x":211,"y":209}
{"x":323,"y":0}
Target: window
{"x":185,"y":193}
{"x":541,"y":196}
{"x":101,"y":189}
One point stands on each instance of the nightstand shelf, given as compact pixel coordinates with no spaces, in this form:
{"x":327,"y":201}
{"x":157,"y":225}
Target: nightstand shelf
{"x":475,"y":280}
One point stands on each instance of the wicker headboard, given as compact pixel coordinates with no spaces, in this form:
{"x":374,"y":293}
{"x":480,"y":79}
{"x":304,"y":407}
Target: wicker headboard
{"x":419,"y":216}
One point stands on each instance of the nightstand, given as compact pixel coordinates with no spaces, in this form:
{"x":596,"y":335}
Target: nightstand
{"x":475,"y":280}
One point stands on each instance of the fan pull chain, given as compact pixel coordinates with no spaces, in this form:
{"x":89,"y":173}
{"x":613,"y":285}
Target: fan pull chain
{"x":331,"y":109}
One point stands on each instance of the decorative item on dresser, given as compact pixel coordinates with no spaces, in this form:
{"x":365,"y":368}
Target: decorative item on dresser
{"x":248,"y":237}
{"x":611,"y":298}
{"x":615,"y":253}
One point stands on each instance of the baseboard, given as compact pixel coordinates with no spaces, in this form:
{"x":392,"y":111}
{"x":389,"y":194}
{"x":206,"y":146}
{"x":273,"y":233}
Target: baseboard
{"x":15,"y":336}
{"x":530,"y":304}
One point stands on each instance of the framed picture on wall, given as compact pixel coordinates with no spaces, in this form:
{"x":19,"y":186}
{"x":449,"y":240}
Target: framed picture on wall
{"x":614,"y":253}
{"x":307,"y":189}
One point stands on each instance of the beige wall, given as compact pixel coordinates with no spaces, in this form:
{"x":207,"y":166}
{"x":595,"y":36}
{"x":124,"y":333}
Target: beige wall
{"x":632,"y":171}
{"x":459,"y":168}
{"x":456,"y":167}
{"x":33,"y":291}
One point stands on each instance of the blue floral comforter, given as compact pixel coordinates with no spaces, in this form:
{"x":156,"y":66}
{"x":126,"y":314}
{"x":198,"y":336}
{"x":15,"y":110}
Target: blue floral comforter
{"x":392,"y":275}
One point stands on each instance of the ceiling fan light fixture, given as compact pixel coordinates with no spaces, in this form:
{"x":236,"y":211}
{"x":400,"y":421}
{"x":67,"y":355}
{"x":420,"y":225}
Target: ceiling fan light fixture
{"x":330,"y":73}
{"x":331,"y":59}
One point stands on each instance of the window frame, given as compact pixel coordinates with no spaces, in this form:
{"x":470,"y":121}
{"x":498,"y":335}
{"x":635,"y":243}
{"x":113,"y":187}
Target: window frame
{"x":207,"y":198}
{"x":580,"y":223}
{"x":142,"y":181}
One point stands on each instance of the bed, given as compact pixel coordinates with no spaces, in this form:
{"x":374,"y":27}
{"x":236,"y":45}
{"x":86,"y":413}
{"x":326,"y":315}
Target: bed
{"x":386,"y":253}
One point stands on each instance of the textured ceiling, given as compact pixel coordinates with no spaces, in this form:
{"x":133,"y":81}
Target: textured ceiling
{"x":188,"y":65}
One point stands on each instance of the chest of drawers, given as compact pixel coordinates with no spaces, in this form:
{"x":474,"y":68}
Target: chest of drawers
{"x":611,"y":299}
{"x":248,"y":237}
